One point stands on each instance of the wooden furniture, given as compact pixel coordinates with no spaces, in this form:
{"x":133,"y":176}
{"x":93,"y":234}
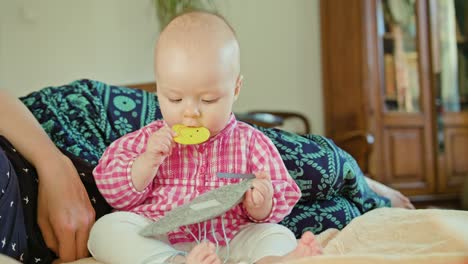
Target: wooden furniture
{"x":260,"y":119}
{"x":384,"y":73}
{"x":299,"y":123}
{"x":149,"y":87}
{"x":359,"y":144}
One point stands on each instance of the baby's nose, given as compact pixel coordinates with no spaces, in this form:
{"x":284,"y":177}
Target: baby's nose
{"x":191,"y":110}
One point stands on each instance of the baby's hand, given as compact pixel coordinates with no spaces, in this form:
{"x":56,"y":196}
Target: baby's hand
{"x":160,"y":145}
{"x":261,"y":194}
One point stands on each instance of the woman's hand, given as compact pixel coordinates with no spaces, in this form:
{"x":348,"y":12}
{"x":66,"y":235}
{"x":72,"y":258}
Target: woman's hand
{"x":397,"y":199}
{"x":65,"y":215}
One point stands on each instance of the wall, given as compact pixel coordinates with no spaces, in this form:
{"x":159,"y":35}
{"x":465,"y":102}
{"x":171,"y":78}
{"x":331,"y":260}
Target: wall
{"x":52,"y":42}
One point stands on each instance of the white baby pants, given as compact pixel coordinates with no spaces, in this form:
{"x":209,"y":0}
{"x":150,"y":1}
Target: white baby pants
{"x":114,"y":239}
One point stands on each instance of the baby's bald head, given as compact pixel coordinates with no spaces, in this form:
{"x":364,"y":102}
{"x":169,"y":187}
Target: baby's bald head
{"x":197,"y":71}
{"x":203,"y":39}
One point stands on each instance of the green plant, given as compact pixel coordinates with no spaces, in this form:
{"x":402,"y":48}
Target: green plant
{"x":168,"y":9}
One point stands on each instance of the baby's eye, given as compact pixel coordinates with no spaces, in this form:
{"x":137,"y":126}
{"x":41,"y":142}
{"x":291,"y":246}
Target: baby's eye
{"x":210,"y":101}
{"x":174,"y":100}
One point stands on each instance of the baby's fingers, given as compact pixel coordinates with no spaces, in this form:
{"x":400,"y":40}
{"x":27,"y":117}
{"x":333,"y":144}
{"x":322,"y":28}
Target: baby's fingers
{"x":248,"y":198}
{"x":262,"y":175}
{"x":167,"y":133}
{"x":257,"y":198}
{"x":253,"y":198}
{"x":262,"y":185}
{"x":163,"y":149}
{"x":169,"y":130}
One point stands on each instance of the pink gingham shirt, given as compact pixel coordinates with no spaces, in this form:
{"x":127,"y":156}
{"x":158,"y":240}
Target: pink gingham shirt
{"x":190,"y":171}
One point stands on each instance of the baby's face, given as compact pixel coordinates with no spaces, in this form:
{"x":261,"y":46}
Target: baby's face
{"x":196,"y":89}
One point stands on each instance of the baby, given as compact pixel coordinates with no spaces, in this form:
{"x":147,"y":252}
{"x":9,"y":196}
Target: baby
{"x":146,"y":173}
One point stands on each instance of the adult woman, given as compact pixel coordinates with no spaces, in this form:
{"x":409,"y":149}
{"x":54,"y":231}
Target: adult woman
{"x":54,"y":195}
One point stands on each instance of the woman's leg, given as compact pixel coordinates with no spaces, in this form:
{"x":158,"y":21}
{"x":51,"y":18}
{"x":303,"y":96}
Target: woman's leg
{"x":13,"y":239}
{"x":26,"y":177}
{"x":27,"y":180}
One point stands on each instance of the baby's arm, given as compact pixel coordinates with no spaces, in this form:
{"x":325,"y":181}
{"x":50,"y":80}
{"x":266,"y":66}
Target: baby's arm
{"x":264,"y":157}
{"x":116,"y":177}
{"x":144,"y":167}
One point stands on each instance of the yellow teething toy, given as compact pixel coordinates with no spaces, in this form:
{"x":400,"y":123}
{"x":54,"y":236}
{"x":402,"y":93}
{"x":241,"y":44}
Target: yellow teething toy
{"x":190,"y":135}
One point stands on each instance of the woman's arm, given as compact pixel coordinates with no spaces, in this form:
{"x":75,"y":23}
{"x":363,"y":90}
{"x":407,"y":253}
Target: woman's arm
{"x":65,"y":214}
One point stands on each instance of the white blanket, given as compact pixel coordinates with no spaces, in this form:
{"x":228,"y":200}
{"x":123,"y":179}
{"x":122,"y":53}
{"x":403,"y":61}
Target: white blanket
{"x":391,"y":235}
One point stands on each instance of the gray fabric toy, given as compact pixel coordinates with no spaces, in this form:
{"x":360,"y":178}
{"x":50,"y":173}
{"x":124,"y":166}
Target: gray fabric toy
{"x":200,"y":209}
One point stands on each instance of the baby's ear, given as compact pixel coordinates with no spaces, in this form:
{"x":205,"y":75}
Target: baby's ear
{"x":239,"y":82}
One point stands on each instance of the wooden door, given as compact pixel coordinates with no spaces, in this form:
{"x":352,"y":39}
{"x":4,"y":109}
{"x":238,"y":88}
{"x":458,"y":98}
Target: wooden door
{"x":403,"y":98}
{"x":449,"y":38}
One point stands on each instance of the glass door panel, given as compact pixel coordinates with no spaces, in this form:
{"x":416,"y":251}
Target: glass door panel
{"x":450,"y":63}
{"x":398,"y":37}
{"x":452,"y":33}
